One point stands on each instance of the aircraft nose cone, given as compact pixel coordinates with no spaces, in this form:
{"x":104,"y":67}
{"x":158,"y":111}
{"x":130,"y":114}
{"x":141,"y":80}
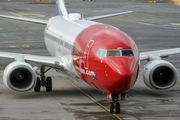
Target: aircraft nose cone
{"x":123,"y":66}
{"x":123,"y":74}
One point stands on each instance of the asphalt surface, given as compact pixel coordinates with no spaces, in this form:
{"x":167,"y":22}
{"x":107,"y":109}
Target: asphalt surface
{"x":153,"y":26}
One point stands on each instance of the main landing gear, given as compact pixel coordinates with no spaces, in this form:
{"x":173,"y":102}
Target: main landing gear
{"x":43,"y":81}
{"x":114,"y":102}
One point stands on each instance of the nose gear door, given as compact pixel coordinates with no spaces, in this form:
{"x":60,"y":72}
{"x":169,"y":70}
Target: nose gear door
{"x":86,"y":53}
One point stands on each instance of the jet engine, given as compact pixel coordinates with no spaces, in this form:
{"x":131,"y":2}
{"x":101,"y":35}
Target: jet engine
{"x":159,"y":74}
{"x":19,"y":76}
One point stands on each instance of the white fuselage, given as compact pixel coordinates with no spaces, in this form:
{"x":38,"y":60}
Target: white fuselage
{"x":60,"y":34}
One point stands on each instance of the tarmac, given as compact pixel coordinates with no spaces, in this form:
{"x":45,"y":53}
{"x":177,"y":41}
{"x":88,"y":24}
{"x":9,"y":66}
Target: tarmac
{"x":153,"y":26}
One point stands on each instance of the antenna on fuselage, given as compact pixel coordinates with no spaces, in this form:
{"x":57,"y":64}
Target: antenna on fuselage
{"x":61,"y":8}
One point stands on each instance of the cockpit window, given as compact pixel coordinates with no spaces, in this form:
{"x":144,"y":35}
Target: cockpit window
{"x":135,"y":53}
{"x":127,"y":53}
{"x":101,"y":53}
{"x":113,"y":52}
{"x":107,"y":53}
{"x":104,"y":53}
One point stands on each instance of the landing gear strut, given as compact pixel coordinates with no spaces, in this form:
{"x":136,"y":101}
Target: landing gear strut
{"x":114,"y":103}
{"x":43,"y":81}
{"x":123,"y":96}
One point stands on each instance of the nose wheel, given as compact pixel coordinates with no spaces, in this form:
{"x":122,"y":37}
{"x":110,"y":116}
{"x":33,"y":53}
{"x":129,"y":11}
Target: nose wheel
{"x":114,"y":104}
{"x":111,"y":107}
{"x":42,"y":82}
{"x":118,"y":108}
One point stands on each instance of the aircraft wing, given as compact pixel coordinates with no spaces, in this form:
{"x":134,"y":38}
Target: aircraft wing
{"x":44,"y":22}
{"x":161,"y":53}
{"x":105,"y":16}
{"x":42,"y":60}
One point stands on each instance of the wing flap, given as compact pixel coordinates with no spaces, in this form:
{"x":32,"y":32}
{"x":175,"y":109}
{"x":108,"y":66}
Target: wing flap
{"x":160,"y":53}
{"x":44,"y":22}
{"x":105,"y":16}
{"x":45,"y":60}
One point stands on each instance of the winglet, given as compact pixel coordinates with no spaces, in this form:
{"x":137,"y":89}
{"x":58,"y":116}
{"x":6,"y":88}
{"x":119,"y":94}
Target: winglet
{"x":61,"y":8}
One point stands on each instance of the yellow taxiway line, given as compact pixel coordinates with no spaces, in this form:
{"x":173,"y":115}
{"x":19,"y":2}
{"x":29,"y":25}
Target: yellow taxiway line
{"x":90,"y":97}
{"x":174,"y":23}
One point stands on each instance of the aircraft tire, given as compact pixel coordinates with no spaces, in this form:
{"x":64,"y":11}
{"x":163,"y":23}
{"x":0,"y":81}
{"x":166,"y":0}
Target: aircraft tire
{"x":38,"y":85}
{"x":48,"y":84}
{"x":111,"y":107}
{"x":118,"y":108}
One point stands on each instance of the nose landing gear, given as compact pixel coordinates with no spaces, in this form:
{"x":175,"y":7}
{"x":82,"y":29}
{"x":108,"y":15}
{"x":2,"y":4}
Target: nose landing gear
{"x":114,"y":103}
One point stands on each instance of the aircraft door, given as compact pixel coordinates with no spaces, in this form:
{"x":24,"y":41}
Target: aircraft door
{"x":59,"y":48}
{"x":86,"y":53}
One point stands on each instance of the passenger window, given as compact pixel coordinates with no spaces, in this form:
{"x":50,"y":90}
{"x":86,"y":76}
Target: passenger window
{"x":62,"y":42}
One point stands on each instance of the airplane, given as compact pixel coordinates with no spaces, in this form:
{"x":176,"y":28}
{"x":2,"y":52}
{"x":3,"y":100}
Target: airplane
{"x":103,"y":56}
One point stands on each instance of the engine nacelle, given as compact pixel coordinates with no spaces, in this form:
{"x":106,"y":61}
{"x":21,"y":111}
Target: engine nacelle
{"x":19,"y":76}
{"x":159,"y":74}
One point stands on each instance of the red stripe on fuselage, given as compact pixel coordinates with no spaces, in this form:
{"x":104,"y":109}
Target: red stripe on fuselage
{"x":109,"y":74}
